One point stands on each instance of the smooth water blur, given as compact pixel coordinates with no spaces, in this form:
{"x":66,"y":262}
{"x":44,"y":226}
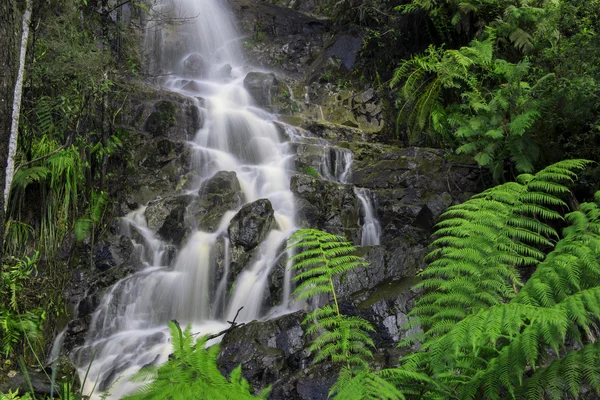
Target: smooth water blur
{"x":129,"y":328}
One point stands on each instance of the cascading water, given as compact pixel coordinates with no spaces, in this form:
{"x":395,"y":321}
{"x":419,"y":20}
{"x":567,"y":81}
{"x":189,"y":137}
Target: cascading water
{"x":336,"y":166}
{"x":371,"y":228}
{"x":128,"y":331}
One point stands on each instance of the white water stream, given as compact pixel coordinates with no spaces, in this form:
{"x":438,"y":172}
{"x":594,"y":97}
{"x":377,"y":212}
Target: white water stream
{"x":129,"y":329}
{"x":336,"y":166}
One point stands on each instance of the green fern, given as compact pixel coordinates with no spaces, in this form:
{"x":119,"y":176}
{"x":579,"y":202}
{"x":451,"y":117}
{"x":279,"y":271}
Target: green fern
{"x":488,"y":335}
{"x":323,"y":256}
{"x":480,"y":246}
{"x":192,"y":373}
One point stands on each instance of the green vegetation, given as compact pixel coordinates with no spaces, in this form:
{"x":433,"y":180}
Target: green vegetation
{"x":486,"y":331}
{"x":74,"y":90}
{"x":323,"y":257}
{"x":192,"y":373}
{"x":510,"y":299}
{"x":521,"y":94}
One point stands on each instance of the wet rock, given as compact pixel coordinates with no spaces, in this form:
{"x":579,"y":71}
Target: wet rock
{"x":266,"y":350}
{"x":194,"y":66}
{"x":192,"y":86}
{"x":260,"y":85}
{"x":326,"y":205}
{"x":310,"y":383}
{"x":166,"y":217}
{"x":343,"y":47}
{"x":216,"y":196}
{"x":224,"y":72}
{"x":280,"y":38}
{"x":251,"y":224}
{"x":162,"y":119}
{"x":76,"y":332}
{"x":386,"y":307}
{"x":38,"y":379}
{"x":308,"y":157}
{"x":419,"y":168}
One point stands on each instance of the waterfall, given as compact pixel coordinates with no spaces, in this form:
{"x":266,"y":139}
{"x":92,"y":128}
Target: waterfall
{"x":129,"y":328}
{"x":371,"y":228}
{"x":336,"y":166}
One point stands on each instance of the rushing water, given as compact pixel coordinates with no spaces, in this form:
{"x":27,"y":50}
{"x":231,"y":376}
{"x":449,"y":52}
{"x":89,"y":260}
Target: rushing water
{"x":128,"y":331}
{"x":371,"y":228}
{"x":201,"y":59}
{"x":336,"y":166}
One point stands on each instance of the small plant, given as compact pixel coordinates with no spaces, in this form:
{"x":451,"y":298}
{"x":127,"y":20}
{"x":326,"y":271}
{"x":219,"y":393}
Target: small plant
{"x":311,"y":171}
{"x":192,"y":373}
{"x":16,"y":325}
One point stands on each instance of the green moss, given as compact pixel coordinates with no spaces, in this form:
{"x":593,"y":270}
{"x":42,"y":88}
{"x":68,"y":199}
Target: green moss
{"x":162,"y":119}
{"x":311,"y":171}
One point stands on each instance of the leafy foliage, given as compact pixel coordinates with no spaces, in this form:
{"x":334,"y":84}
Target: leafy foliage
{"x":522,"y":93}
{"x":16,"y":323}
{"x":486,"y":334}
{"x":192,"y":373}
{"x":494,"y":125}
{"x":322,"y":257}
{"x":481,"y":245}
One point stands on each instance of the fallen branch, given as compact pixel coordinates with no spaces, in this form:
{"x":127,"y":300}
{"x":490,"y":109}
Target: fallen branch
{"x":223,"y":332}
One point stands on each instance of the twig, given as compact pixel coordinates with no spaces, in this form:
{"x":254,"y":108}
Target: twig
{"x":223,"y":332}
{"x":40,"y":158}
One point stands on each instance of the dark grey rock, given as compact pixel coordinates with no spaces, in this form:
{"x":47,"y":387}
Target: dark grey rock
{"x":266,"y":350}
{"x":224,"y":72}
{"x":194,"y":66}
{"x":260,"y":85}
{"x":216,"y":196}
{"x":166,"y":217}
{"x":251,"y":224}
{"x":162,"y":119}
{"x":326,"y":205}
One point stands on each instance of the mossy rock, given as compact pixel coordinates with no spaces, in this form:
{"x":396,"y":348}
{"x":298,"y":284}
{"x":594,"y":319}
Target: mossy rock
{"x":162,"y":119}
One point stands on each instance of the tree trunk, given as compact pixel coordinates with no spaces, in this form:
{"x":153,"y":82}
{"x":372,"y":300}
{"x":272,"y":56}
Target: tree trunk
{"x":16,"y":108}
{"x":9,"y":62}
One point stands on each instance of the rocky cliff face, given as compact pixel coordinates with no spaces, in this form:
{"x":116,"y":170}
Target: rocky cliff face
{"x":342,"y":140}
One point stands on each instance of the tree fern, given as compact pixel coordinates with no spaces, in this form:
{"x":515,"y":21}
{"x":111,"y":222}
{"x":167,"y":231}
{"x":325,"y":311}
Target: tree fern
{"x":192,"y":373}
{"x":480,"y":246}
{"x":532,"y":340}
{"x":321,"y":257}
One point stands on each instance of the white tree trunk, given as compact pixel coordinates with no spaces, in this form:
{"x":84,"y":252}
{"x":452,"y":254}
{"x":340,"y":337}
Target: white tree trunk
{"x":16,"y":109}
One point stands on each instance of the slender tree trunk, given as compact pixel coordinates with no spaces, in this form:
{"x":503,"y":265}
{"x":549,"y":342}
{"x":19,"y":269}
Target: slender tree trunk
{"x":16,"y":109}
{"x":9,"y":53}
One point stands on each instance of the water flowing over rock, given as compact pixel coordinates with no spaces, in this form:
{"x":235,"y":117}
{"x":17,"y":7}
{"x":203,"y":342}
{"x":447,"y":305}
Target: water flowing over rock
{"x":217,"y":195}
{"x":194,"y":66}
{"x":220,"y":179}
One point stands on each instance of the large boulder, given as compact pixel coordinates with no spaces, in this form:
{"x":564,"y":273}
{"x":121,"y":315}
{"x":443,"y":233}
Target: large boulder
{"x":326,"y":205}
{"x":267,"y":350}
{"x":251,"y":225}
{"x":260,"y":85}
{"x":217,"y":195}
{"x":162,"y":119}
{"x":268,"y":92}
{"x":166,"y":217}
{"x":194,"y":66}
